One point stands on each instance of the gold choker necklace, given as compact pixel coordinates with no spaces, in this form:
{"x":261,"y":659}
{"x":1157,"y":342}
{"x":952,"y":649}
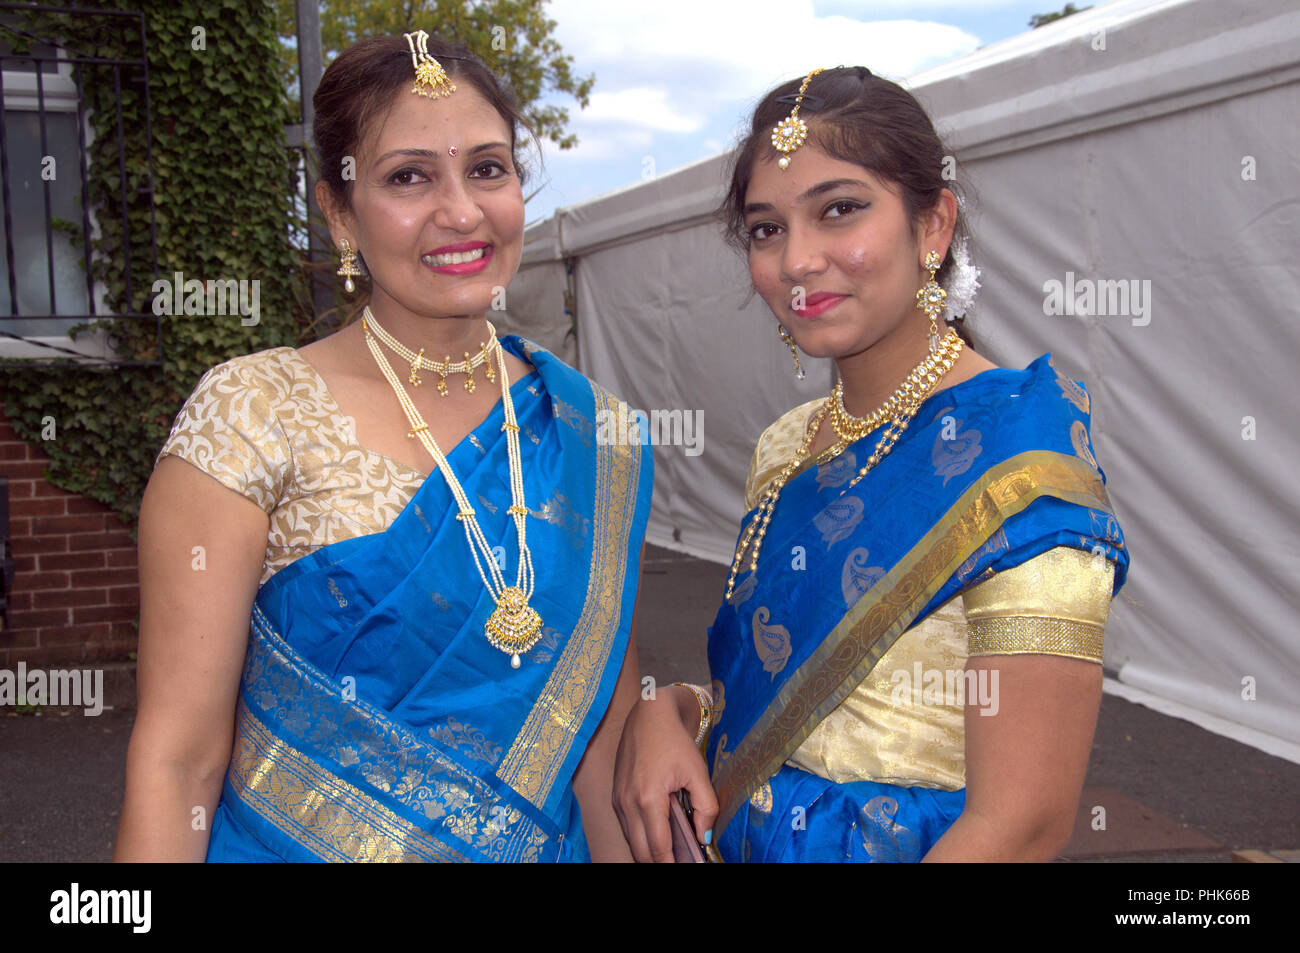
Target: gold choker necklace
{"x":899,"y":409}
{"x":514,"y":627}
{"x":928,"y":372}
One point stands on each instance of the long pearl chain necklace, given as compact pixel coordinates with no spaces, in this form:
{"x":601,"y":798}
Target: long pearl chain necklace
{"x":899,"y":409}
{"x":419,"y":362}
{"x":514,"y":626}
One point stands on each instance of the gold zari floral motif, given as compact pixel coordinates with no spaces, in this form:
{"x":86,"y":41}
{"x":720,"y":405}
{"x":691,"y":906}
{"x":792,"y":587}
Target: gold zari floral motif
{"x":323,"y":813}
{"x":370,"y":752}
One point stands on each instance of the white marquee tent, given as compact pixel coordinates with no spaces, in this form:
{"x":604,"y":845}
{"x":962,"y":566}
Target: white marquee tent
{"x":1152,"y":141}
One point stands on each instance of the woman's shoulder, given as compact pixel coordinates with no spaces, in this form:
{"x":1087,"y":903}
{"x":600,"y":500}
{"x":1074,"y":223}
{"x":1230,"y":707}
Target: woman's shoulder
{"x":789,"y":428}
{"x":566,"y":386}
{"x":776,"y":446}
{"x":230,"y":425}
{"x":276,"y":384}
{"x":1040,"y":381}
{"x":1022,"y":406}
{"x":274,"y":370}
{"x":243,"y":373}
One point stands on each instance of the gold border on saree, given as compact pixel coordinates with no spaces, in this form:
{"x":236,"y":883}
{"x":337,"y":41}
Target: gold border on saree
{"x":543,"y":743}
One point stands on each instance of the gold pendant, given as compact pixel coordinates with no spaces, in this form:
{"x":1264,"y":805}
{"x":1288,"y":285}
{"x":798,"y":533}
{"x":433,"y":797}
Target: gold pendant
{"x":414,"y":377}
{"x":469,"y":375}
{"x":431,"y":79}
{"x":513,"y":626}
{"x":788,"y":135}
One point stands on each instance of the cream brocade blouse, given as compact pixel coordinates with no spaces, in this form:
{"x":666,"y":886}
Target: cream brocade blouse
{"x":1054,"y":604}
{"x":266,"y":426}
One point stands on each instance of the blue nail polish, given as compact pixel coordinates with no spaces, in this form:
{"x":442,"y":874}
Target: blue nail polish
{"x":708,"y":837}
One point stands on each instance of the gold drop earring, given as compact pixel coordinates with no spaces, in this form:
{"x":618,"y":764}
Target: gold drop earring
{"x":931,"y":298}
{"x":794,"y":352}
{"x":348,"y":265}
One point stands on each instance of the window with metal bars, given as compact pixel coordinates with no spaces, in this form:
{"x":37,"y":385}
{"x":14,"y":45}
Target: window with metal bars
{"x":49,"y":219}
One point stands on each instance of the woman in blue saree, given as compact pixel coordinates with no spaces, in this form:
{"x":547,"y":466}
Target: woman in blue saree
{"x":906,"y":663}
{"x":441,"y":653}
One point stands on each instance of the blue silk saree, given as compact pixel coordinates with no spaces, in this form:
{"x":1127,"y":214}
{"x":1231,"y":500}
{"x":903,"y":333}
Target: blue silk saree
{"x":376,"y":723}
{"x":992,"y":472}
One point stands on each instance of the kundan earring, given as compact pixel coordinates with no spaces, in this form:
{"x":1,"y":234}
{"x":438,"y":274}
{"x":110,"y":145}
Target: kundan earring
{"x":794,"y":352}
{"x":348,"y":266}
{"x":931,"y":298}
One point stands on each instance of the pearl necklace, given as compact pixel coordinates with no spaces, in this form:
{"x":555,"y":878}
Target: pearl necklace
{"x":514,"y":627}
{"x":419,"y":362}
{"x":906,"y":400}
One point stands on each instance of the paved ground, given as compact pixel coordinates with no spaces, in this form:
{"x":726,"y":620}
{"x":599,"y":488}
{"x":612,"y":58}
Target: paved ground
{"x":1172,"y":791}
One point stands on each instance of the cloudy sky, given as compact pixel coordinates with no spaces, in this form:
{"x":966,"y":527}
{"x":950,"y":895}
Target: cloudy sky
{"x":675,"y":79}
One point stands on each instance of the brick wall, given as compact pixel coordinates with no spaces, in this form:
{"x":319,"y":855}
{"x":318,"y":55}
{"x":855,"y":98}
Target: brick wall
{"x":75,"y":595}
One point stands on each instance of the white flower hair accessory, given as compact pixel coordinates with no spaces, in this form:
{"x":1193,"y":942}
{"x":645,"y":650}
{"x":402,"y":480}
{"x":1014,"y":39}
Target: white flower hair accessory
{"x":963,"y":280}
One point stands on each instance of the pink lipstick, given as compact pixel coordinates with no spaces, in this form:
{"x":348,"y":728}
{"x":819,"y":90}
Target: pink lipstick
{"x":459,"y":258}
{"x":818,"y":303}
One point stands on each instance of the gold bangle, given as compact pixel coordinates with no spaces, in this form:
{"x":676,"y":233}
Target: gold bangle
{"x":706,"y":710}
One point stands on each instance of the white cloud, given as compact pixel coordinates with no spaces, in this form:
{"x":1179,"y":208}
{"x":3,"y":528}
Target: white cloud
{"x":676,"y":79}
{"x":642,"y":105}
{"x":678,"y":67}
{"x":623,"y":144}
{"x":729,"y":49}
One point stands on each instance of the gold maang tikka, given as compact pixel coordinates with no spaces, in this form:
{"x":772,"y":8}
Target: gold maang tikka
{"x":789,"y":134}
{"x":430,"y":78}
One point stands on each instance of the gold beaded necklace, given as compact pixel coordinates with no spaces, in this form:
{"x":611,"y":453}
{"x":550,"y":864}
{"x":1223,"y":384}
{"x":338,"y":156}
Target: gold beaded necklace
{"x":852,"y":428}
{"x":514,"y":627}
{"x":899,"y":409}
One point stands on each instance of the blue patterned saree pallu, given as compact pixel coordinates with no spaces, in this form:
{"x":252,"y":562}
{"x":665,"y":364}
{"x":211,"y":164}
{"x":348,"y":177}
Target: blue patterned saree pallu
{"x":376,"y":722}
{"x":992,"y":472}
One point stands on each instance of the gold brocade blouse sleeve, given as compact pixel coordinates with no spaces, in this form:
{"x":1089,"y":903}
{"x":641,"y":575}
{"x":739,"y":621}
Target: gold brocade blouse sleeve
{"x":891,"y":728}
{"x":1054,"y":604}
{"x":229,"y":430}
{"x":775,"y":448}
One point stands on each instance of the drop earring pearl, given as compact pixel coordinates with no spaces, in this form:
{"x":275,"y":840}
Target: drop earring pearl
{"x":348,"y":265}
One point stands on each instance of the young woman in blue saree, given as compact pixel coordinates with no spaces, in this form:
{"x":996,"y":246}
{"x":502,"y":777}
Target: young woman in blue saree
{"x":906,"y":663}
{"x":372,"y":650}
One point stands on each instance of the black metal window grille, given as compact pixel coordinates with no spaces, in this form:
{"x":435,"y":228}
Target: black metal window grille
{"x":46,"y":55}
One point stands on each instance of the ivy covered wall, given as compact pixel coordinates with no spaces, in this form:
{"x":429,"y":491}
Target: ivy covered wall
{"x":221,"y":211}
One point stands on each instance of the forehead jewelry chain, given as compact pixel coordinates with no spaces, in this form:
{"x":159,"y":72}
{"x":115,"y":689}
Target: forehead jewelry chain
{"x":514,"y":626}
{"x":430,"y":78}
{"x":789,"y":134}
